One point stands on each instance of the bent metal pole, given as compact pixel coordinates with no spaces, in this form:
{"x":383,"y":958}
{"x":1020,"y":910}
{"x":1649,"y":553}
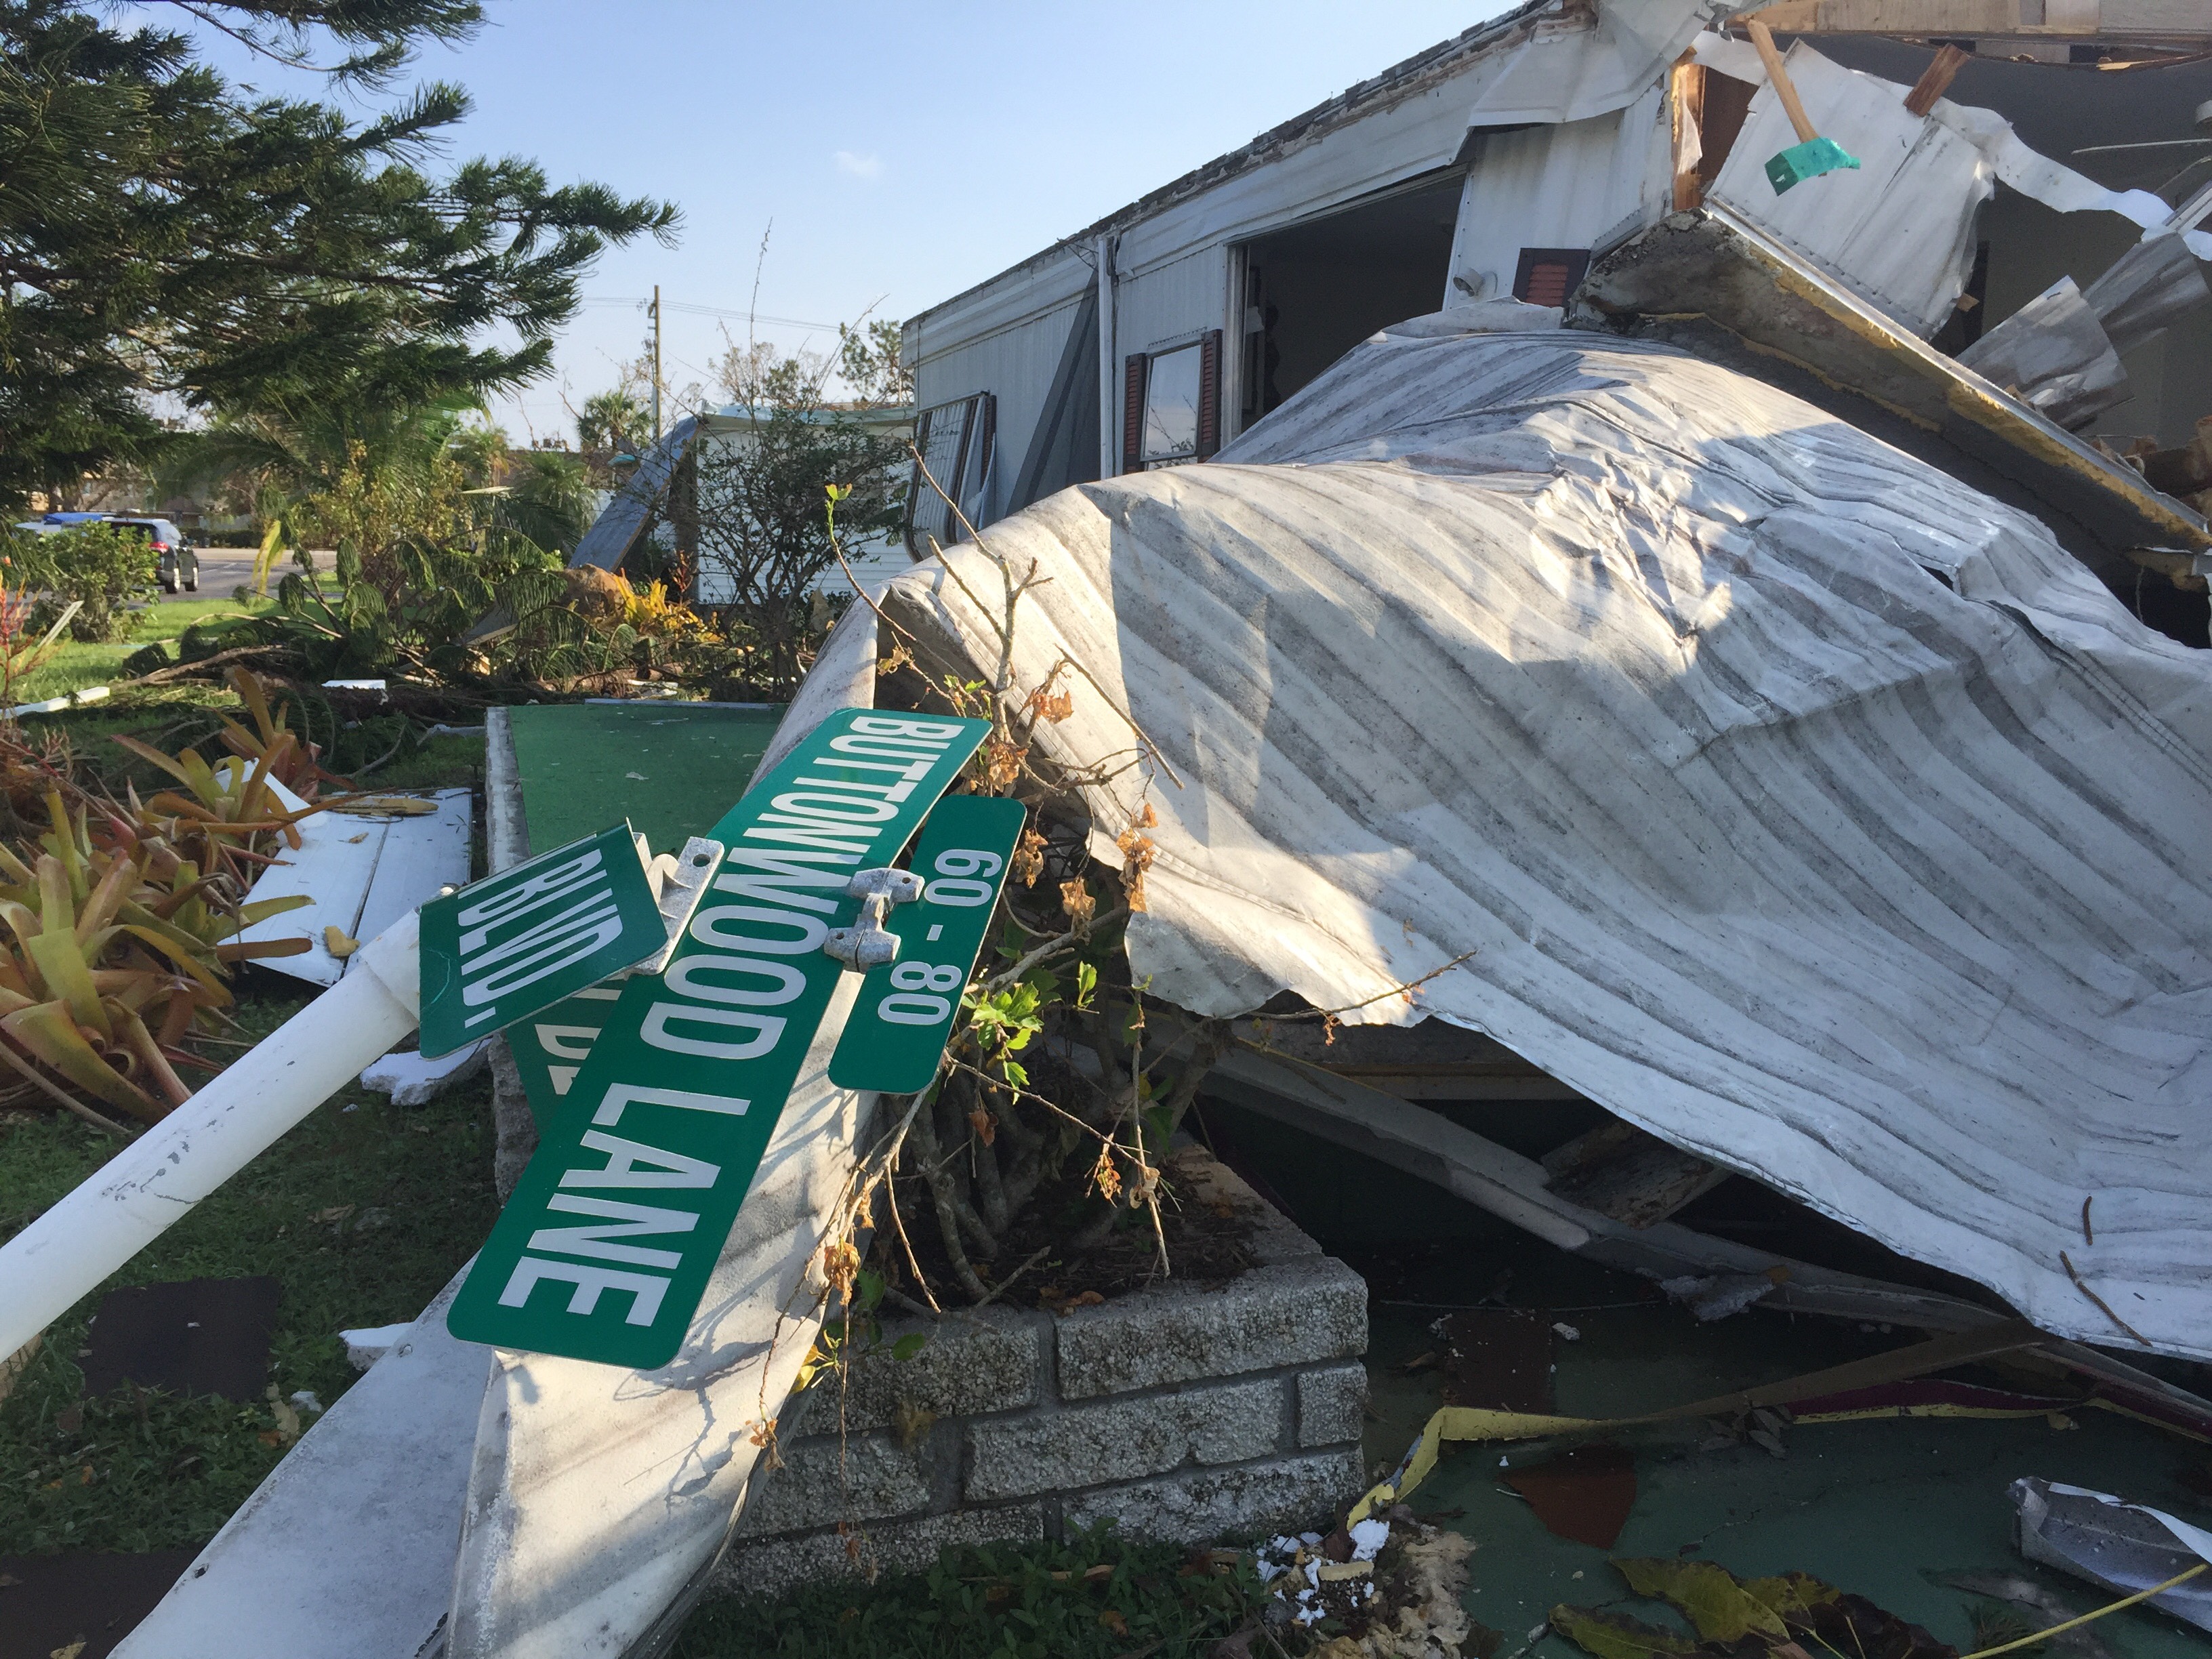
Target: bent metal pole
{"x":154,"y":1181}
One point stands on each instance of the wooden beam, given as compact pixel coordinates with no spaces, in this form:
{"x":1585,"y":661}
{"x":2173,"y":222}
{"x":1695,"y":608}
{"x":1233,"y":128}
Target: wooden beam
{"x":1935,"y":80}
{"x":2178,"y":20}
{"x":1687,"y":88}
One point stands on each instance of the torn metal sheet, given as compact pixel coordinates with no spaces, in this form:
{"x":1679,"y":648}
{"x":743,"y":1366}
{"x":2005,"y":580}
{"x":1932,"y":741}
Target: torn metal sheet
{"x":1584,"y":65}
{"x":1899,"y":229}
{"x":2054,"y":356}
{"x":2147,"y":290}
{"x":1784,"y":796}
{"x":1698,"y":276}
{"x":617,"y":527}
{"x":2124,"y":1546}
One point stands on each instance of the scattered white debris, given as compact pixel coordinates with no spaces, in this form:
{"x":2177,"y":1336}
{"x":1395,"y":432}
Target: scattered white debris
{"x":365,"y":1347}
{"x":1368,"y":1538}
{"x":304,"y":1400}
{"x":1718,"y":1296}
{"x":1566,"y":1332}
{"x":411,"y":1080}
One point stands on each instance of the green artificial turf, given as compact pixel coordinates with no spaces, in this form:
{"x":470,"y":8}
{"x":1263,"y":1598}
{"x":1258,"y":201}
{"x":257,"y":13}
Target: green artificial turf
{"x":1033,"y":1602}
{"x":361,"y":1213}
{"x":673,"y":767}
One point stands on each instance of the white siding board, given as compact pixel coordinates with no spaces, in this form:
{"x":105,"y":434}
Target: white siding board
{"x":1561,"y":186}
{"x":419,"y":856}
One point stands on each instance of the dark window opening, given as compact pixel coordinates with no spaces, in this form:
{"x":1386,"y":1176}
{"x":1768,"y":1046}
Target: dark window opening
{"x":1546,"y":276}
{"x":1317,"y":289}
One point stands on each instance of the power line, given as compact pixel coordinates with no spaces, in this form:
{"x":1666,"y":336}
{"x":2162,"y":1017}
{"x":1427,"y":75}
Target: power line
{"x":710,"y":311}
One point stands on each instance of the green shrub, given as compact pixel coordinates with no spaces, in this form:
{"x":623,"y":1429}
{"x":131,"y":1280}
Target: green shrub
{"x":102,"y":566}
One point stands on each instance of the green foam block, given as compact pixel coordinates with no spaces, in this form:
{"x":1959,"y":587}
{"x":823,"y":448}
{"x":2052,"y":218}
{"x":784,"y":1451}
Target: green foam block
{"x":1809,"y":160}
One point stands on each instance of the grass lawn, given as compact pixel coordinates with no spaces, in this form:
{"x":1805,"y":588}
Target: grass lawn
{"x":361,"y":1212}
{"x":1091,"y":1598}
{"x":75,"y":665}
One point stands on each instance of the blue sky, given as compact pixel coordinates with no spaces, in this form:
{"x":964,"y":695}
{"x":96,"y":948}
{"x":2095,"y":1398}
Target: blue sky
{"x":901,"y":152}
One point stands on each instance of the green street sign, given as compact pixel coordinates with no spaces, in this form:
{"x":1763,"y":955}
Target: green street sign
{"x":604,"y":1250}
{"x":551,"y":1045}
{"x":502,"y":948}
{"x":897,"y":1031}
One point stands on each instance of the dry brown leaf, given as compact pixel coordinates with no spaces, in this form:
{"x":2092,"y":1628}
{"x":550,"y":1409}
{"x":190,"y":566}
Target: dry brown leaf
{"x":1028,"y":858}
{"x":985,"y":1125}
{"x":1076,"y":901}
{"x":1137,"y":854}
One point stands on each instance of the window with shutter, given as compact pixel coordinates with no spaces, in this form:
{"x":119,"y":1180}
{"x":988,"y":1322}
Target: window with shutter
{"x":1171,"y":407}
{"x":1546,"y":276}
{"x":1209,"y":394}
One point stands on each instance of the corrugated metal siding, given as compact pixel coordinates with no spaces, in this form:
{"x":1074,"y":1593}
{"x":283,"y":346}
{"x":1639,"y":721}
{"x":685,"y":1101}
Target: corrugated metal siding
{"x":1795,"y":801}
{"x":1584,"y":185}
{"x":1900,"y":228}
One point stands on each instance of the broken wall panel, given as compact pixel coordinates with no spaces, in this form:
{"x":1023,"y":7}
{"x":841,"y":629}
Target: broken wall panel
{"x":1775,"y":792}
{"x":1900,"y":228}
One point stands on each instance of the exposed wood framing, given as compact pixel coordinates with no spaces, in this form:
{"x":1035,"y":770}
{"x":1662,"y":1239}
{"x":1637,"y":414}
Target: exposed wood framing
{"x":1429,"y":1062}
{"x":1935,"y":80}
{"x":1687,"y":100}
{"x":2180,"y":23}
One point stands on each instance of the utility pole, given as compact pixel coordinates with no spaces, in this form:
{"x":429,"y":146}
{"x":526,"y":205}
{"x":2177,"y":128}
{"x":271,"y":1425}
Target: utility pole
{"x":656,"y":362}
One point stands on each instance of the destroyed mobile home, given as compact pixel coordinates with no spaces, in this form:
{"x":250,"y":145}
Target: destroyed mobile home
{"x":1637,"y":638}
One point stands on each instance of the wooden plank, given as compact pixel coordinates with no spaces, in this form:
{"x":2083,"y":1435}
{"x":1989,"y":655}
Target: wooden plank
{"x":1992,"y":21}
{"x":419,"y":856}
{"x":1935,"y":80}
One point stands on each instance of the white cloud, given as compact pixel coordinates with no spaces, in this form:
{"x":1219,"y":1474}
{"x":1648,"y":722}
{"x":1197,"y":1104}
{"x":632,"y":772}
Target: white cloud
{"x":860,"y":166}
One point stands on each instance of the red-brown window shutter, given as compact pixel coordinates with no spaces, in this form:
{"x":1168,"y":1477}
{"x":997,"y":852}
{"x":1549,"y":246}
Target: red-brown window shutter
{"x":1209,"y":394}
{"x":1132,"y":413}
{"x":1548,"y":276}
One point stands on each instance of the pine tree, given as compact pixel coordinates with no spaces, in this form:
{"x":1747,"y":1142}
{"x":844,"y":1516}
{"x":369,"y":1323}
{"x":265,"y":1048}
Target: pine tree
{"x":163,"y":232}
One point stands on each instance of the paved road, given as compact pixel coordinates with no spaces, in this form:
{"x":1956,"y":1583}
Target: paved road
{"x":222,"y":568}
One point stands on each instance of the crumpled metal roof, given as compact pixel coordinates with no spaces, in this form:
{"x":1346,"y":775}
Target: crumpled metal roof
{"x":1782,"y":794}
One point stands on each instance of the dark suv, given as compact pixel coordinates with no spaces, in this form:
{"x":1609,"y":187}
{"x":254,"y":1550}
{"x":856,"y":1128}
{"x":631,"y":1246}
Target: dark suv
{"x":179,"y":566}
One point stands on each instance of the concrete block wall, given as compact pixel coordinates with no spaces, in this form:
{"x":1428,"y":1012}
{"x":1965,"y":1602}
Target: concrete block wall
{"x":1183,"y":1412}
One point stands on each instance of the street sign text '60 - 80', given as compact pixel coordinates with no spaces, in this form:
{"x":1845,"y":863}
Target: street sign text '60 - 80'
{"x":895,"y":1033}
{"x":503,"y":948}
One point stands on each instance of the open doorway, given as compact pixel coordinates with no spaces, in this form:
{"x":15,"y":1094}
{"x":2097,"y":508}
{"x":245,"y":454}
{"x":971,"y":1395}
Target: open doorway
{"x":1316,"y":290}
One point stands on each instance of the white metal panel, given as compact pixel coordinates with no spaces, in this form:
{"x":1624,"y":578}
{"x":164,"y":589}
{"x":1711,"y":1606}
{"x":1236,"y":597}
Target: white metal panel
{"x":1170,"y":303}
{"x":1016,"y":363}
{"x":1584,"y":184}
{"x":1571,"y":74}
{"x":333,"y":865}
{"x":360,"y":875}
{"x":1787,"y":797}
{"x":419,"y":856}
{"x":1899,"y":229}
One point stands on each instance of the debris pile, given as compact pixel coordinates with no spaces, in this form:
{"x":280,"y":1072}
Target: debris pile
{"x":1378,"y":1590}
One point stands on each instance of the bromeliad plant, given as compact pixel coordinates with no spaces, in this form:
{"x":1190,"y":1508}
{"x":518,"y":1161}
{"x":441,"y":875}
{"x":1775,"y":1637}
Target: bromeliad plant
{"x":119,"y":920}
{"x":111,"y":949}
